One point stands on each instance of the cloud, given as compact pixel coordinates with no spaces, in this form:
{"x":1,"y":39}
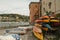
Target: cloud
{"x":15,"y":6}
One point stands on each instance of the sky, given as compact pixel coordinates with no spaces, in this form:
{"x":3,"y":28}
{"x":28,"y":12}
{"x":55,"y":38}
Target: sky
{"x":15,"y":6}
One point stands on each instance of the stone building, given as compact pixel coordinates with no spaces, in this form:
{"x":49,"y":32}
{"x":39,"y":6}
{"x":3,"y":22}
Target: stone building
{"x":57,"y":6}
{"x":50,"y":6}
{"x":34,"y":8}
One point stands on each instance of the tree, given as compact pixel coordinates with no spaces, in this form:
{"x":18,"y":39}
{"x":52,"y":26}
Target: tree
{"x":58,"y":16}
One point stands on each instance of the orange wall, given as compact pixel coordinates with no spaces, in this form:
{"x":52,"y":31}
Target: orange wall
{"x":34,"y":10}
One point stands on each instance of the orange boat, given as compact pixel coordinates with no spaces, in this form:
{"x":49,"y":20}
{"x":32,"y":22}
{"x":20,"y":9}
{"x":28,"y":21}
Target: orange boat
{"x":37,"y":30}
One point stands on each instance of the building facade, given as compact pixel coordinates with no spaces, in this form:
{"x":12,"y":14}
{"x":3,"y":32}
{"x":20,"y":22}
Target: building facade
{"x":50,"y":6}
{"x":34,"y":8}
{"x":57,"y":6}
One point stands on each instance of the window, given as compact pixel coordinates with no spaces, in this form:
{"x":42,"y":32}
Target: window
{"x":44,"y":9}
{"x":50,"y":4}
